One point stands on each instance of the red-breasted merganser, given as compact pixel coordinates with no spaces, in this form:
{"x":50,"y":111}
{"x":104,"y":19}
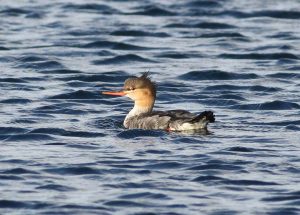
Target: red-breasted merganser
{"x":143,"y":91}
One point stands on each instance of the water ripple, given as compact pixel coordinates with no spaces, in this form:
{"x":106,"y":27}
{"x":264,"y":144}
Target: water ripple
{"x":153,"y":10}
{"x":257,"y":56}
{"x":114,"y":45}
{"x":62,"y":132}
{"x":64,"y":149}
{"x":138,"y":33}
{"x":273,"y":105}
{"x":55,"y":187}
{"x":204,"y":25}
{"x":100,"y":8}
{"x":216,"y":75}
{"x":76,"y":170}
{"x":123,"y":59}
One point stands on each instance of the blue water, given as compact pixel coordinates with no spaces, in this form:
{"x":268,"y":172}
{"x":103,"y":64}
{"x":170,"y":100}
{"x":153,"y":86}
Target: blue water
{"x":63,"y":148}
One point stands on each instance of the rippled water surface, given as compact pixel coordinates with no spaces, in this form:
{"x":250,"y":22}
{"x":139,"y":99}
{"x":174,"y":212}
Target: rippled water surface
{"x":63,"y":147}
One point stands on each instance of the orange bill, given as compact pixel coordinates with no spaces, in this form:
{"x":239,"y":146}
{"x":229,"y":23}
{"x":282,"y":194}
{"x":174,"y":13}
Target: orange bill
{"x":121,"y":93}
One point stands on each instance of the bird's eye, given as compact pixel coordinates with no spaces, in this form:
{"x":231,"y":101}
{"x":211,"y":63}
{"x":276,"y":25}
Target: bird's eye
{"x":131,"y":88}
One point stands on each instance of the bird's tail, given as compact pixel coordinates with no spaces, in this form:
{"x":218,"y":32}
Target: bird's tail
{"x":205,"y":116}
{"x":197,"y":123}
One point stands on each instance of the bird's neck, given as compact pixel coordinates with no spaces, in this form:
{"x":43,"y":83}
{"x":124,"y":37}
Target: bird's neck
{"x":141,"y":107}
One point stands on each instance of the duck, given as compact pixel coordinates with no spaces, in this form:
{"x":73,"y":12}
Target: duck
{"x":142,"y":90}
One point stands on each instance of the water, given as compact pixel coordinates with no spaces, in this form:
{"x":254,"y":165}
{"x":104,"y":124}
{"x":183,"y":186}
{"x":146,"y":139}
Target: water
{"x":63,"y":147}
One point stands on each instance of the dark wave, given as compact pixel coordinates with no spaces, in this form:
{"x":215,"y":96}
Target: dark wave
{"x":128,"y":134}
{"x":63,"y":132}
{"x":2,"y":48}
{"x":10,"y":177}
{"x":83,"y":32}
{"x":204,"y":25}
{"x":29,"y":137}
{"x":125,"y":203}
{"x":281,"y":123}
{"x":231,"y":96}
{"x":207,"y":178}
{"x":35,"y":15}
{"x":284,"y":36}
{"x":241,"y":149}
{"x":173,"y":55}
{"x":113,"y":45}
{"x":165,"y":165}
{"x":293,"y":68}
{"x":55,"y":187}
{"x":258,"y":88}
{"x":15,"y":101}
{"x":274,"y":105}
{"x":152,"y":10}
{"x":80,"y":94}
{"x":76,"y":84}
{"x":216,"y":166}
{"x":49,"y":64}
{"x":146,"y":195}
{"x":279,"y":14}
{"x":292,"y":127}
{"x":18,"y":171}
{"x":155,"y":151}
{"x":227,"y":87}
{"x":23,"y":204}
{"x":220,"y":180}
{"x":213,"y":25}
{"x":121,"y":59}
{"x":54,"y":109}
{"x":217,"y":102}
{"x":73,"y":170}
{"x":13,"y":80}
{"x":131,"y":185}
{"x":139,"y":33}
{"x":99,"y":8}
{"x":216,"y":75}
{"x":16,"y":161}
{"x":257,"y":56}
{"x":31,"y":58}
{"x":105,"y":53}
{"x":25,"y":121}
{"x":7,"y":59}
{"x":284,"y":75}
{"x":124,"y":166}
{"x":289,"y":208}
{"x":78,"y":207}
{"x":12,"y":130}
{"x":103,"y":77}
{"x":284,"y":196}
{"x":250,"y":183}
{"x":84,"y":146}
{"x":286,"y":61}
{"x":61,"y":71}
{"x":204,"y":3}
{"x":223,"y":34}
{"x":14,"y":11}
